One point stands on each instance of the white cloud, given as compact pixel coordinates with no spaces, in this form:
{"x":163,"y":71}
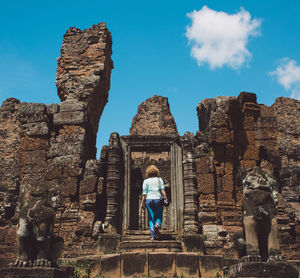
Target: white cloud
{"x":288,"y":74}
{"x":219,"y":38}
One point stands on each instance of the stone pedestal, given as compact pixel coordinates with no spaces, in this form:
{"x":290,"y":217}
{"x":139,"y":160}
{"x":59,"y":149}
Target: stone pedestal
{"x":262,"y":270}
{"x":32,"y":272}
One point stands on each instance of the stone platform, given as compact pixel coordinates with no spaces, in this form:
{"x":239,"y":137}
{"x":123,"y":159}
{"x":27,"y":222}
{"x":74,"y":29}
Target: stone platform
{"x":32,"y":272}
{"x":263,"y":270}
{"x":152,"y":264}
{"x":150,"y":246}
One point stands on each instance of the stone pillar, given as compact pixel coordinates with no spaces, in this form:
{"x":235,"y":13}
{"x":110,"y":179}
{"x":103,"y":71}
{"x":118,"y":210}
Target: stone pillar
{"x":113,"y":185}
{"x":189,"y":185}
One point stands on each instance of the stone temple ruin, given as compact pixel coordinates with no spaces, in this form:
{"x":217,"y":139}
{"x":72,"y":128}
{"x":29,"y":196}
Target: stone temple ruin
{"x":49,"y":152}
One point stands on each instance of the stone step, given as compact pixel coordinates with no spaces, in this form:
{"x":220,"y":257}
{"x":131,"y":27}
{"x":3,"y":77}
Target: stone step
{"x":150,"y":246}
{"x":151,"y":264}
{"x":146,"y":237}
{"x":111,"y":244}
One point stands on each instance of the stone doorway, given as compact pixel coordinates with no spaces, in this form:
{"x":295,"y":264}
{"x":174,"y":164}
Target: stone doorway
{"x":140,"y":152}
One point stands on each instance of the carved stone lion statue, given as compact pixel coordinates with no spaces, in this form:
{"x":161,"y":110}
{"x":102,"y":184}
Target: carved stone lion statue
{"x":259,"y":216}
{"x":36,"y":245}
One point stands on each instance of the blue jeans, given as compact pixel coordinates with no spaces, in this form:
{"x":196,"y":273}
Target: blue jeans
{"x":155,"y":214}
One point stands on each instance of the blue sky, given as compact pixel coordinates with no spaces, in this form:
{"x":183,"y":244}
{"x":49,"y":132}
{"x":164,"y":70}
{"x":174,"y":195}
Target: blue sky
{"x":232,"y":46}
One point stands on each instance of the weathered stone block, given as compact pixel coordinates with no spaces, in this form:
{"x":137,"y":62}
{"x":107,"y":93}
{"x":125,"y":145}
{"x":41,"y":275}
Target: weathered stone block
{"x":207,"y":218}
{"x":220,"y":135}
{"x":162,"y":264}
{"x":69,"y":186}
{"x":210,"y":232}
{"x":53,"y":171}
{"x":210,"y":265}
{"x":266,"y":134}
{"x":227,"y":183}
{"x":251,"y":109}
{"x":225,"y":196}
{"x":63,"y":149}
{"x":32,"y":112}
{"x":32,"y":178}
{"x":247,"y":164}
{"x":247,"y":97}
{"x":88,"y":184}
{"x":35,"y":129}
{"x":93,"y":167}
{"x":69,"y":118}
{"x":110,"y":266}
{"x":52,"y":108}
{"x":187,"y":265}
{"x":85,"y":225}
{"x":267,"y":122}
{"x":33,"y":144}
{"x":193,"y":243}
{"x":73,"y":133}
{"x":219,"y":119}
{"x":202,"y":150}
{"x":36,"y":160}
{"x":108,"y":243}
{"x":251,"y":153}
{"x":148,"y":121}
{"x":71,"y":165}
{"x":220,"y":168}
{"x":249,"y":122}
{"x":134,"y":264}
{"x":71,"y":105}
{"x":229,"y":167}
{"x":206,"y":183}
{"x":202,"y":165}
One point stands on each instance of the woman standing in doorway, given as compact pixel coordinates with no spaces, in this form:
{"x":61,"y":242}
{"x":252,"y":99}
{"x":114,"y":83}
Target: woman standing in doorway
{"x":154,"y":193}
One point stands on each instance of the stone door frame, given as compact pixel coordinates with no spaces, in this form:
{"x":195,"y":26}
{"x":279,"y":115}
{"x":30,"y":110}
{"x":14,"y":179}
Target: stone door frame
{"x":139,"y":142}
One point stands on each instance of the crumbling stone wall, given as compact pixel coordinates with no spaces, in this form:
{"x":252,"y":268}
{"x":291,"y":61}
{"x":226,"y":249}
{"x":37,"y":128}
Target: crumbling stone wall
{"x":154,"y":118}
{"x":10,"y":129}
{"x":234,"y":134}
{"x":83,"y":74}
{"x":52,"y":148}
{"x":9,"y":149}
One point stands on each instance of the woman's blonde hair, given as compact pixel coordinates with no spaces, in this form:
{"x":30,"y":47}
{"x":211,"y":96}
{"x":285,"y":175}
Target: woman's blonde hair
{"x":152,"y":171}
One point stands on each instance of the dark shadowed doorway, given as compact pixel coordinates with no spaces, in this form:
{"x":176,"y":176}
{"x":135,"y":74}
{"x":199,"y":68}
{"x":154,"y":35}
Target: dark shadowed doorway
{"x":139,"y":153}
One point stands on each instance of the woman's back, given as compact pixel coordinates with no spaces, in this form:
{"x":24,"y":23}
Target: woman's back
{"x":152,"y":187}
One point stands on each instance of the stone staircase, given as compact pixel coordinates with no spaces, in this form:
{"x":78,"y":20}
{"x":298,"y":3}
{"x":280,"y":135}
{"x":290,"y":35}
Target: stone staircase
{"x":134,"y":243}
{"x":137,"y":256}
